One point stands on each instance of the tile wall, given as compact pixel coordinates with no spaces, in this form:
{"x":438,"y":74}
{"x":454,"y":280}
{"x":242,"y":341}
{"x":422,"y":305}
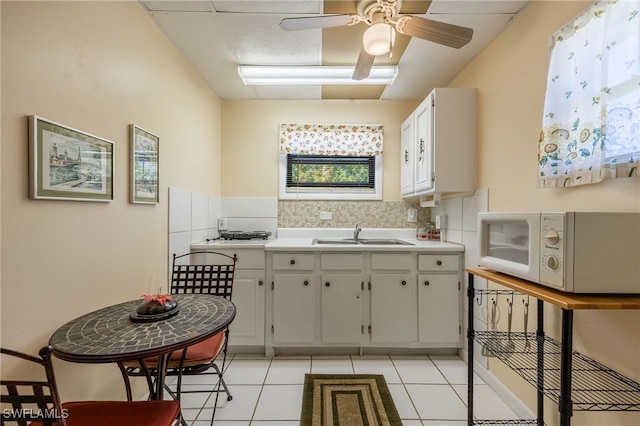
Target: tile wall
{"x":461,"y":227}
{"x":193,"y":216}
{"x":346,"y":214}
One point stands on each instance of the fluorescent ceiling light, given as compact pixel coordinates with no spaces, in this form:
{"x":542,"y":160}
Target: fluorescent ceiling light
{"x":301,"y":75}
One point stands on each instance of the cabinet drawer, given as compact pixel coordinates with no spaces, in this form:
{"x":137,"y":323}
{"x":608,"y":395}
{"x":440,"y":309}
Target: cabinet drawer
{"x":342,"y":261}
{"x":393,"y":261}
{"x":438,"y":262}
{"x":293,"y":261}
{"x":247,"y":258}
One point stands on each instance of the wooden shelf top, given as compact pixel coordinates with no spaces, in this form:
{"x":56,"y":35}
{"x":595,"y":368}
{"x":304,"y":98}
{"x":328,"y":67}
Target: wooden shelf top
{"x":570,"y":301}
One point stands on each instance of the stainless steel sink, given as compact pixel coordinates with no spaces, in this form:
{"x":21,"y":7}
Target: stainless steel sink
{"x":364,"y":241}
{"x":385,"y":242}
{"x":323,"y":241}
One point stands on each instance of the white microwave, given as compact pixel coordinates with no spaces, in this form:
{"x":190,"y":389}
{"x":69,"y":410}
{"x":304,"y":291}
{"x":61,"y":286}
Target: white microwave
{"x":575,"y":252}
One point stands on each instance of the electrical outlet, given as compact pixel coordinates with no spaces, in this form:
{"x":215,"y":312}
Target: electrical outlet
{"x":222,"y":224}
{"x":326,"y":215}
{"x":412,"y":215}
{"x":441,"y":221}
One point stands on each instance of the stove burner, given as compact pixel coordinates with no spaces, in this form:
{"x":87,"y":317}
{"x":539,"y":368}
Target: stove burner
{"x":245,"y":235}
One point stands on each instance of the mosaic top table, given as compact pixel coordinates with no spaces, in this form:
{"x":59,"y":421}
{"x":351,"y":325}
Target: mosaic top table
{"x":109,"y":335}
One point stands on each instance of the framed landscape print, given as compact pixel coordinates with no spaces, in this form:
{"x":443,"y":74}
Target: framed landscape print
{"x":68,"y":164}
{"x":144,"y":166}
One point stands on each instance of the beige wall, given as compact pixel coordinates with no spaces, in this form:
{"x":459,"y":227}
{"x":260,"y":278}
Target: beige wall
{"x":511,"y":79}
{"x":250,"y":139}
{"x":97,"y":67}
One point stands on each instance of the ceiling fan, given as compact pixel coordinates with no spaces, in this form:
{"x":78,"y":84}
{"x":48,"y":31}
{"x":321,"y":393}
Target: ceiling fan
{"x":383,"y":19}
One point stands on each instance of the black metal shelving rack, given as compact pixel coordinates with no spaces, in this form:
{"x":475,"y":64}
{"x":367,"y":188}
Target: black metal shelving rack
{"x":573,"y":380}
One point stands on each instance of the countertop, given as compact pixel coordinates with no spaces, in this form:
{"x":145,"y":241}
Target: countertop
{"x":301,"y":240}
{"x":305,"y":244}
{"x":231,"y":244}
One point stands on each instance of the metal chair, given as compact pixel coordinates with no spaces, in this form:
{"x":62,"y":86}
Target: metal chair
{"x":213,"y":278}
{"x":37,"y":403}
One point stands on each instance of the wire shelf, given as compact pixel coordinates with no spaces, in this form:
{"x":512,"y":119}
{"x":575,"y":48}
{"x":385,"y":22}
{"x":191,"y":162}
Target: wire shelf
{"x":594,"y":386}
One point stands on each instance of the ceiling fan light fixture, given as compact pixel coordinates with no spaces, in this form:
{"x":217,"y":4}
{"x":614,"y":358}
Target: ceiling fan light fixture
{"x":378,"y":39}
{"x":303,"y":75}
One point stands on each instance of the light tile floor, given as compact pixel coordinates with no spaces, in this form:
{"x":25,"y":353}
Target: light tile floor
{"x":427,"y":390}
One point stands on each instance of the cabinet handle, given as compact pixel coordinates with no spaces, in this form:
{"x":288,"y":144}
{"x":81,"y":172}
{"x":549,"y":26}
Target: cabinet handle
{"x":292,"y":261}
{"x":406,"y":156}
{"x":327,"y":284}
{"x":404,"y":282}
{"x":427,"y":283}
{"x":421,"y":146}
{"x":260,"y":282}
{"x":439,"y":263}
{"x":306,"y":282}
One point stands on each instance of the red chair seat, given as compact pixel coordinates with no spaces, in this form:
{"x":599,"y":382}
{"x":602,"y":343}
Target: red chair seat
{"x":120,"y":413}
{"x":200,"y":353}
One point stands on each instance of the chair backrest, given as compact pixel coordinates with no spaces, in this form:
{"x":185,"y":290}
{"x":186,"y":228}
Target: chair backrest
{"x":215,"y":277}
{"x":25,"y":401}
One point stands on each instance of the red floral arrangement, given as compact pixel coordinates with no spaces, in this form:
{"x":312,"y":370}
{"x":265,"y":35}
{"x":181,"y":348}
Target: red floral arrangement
{"x":159,"y":298}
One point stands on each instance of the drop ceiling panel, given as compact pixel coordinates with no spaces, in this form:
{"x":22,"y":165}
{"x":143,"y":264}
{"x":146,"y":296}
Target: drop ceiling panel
{"x":427,"y":65}
{"x":178,"y":6}
{"x":477,"y":7}
{"x":217,"y":36}
{"x":268,"y":7}
{"x":198,"y":37}
{"x":259,"y":40}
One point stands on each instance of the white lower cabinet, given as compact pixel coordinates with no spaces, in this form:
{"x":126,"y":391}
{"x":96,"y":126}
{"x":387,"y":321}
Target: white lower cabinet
{"x":248,"y":295}
{"x":342,"y":308}
{"x":439,"y":300}
{"x":360,"y":300}
{"x":438,"y":321}
{"x":393,"y":308}
{"x":293,"y":308}
{"x":247,"y":328}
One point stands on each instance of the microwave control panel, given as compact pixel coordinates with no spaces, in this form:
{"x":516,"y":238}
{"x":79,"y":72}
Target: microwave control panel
{"x":552,"y":248}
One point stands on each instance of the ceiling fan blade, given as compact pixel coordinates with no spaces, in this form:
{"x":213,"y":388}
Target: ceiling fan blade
{"x":315,"y":22}
{"x":435,"y":31}
{"x":363,"y":66}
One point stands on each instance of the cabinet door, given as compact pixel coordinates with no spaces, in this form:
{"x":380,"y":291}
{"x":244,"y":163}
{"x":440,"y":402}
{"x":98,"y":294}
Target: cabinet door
{"x":423,"y":147}
{"x":342,"y":308}
{"x":293,"y":308}
{"x":407,"y":138}
{"x":438,"y":309}
{"x":393,"y":308}
{"x":247,"y":327}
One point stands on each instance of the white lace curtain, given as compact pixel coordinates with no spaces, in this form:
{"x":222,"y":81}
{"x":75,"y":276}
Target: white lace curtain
{"x":331,"y":139}
{"x":591,"y":122}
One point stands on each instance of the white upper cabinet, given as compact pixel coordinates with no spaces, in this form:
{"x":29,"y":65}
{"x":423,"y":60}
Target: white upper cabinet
{"x":439,"y":144}
{"x":406,"y":142}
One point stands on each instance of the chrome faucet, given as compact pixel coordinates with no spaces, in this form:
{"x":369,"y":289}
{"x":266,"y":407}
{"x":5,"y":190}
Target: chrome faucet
{"x":356,"y":233}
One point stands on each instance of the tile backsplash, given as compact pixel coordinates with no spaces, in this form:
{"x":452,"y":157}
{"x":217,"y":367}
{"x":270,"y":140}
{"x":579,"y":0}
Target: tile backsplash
{"x":346,"y":214}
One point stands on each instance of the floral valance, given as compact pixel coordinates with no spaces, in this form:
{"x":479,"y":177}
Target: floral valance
{"x":331,"y":139}
{"x":591,"y":122}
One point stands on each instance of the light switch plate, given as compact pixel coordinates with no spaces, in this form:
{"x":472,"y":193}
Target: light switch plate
{"x":412,"y":215}
{"x":222,"y":224}
{"x":326,"y":215}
